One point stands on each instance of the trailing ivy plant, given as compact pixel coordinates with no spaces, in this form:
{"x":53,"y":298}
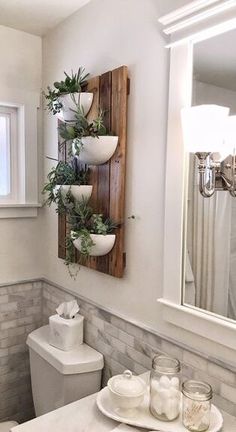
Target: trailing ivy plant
{"x":64,"y":174}
{"x":82,"y":128}
{"x":83,"y":223}
{"x":70,"y":85}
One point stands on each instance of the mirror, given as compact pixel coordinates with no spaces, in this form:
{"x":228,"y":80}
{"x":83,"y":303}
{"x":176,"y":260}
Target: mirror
{"x":210,"y":261}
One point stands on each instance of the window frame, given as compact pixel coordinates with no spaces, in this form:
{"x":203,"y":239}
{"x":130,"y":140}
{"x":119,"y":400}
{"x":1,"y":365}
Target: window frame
{"x":12,"y":114}
{"x":26,"y":202}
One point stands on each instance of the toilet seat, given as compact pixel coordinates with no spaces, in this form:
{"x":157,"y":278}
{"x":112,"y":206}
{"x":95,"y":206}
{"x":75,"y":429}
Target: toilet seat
{"x":6,"y":426}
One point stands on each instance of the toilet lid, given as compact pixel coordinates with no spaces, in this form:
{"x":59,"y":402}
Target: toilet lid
{"x":6,"y":426}
{"x":82,"y":359}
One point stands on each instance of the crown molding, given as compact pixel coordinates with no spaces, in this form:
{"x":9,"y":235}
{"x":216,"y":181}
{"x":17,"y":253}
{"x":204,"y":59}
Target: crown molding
{"x":197,"y":14}
{"x":184,"y":11}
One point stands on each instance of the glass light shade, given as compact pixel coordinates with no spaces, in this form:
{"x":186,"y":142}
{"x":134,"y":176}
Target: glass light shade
{"x":204,"y":128}
{"x":230,"y":135}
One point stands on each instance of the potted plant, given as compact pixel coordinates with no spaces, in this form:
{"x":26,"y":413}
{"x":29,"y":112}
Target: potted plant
{"x":91,"y":233}
{"x":65,"y":184}
{"x":68,"y":95}
{"x":91,"y":142}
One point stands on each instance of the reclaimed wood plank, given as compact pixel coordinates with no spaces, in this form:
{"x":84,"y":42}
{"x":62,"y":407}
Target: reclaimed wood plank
{"x":103,"y":196}
{"x":61,"y":219}
{"x":108,"y":197}
{"x":117,"y":168}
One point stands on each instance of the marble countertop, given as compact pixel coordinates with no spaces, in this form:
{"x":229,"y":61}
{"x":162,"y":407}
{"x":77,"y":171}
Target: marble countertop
{"x":84,"y":416}
{"x":80,"y":416}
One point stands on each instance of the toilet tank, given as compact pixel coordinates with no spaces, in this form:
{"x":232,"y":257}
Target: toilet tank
{"x":60,"y":377}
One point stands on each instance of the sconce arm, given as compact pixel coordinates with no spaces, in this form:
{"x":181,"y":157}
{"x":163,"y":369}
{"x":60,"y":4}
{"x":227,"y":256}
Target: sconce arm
{"x":205,"y":190}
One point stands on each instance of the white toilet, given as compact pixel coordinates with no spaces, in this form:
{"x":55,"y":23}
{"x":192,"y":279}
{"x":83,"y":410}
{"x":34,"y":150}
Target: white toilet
{"x":60,"y":377}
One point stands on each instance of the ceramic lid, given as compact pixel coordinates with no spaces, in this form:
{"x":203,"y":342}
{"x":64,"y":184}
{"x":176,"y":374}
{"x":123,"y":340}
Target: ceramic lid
{"x":126,"y":384}
{"x":82,"y":359}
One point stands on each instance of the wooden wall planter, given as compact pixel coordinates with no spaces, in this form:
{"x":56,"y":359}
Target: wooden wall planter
{"x":108,"y":197}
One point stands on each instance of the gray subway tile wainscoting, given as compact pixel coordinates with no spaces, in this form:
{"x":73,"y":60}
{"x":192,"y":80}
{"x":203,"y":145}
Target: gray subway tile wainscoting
{"x":20,"y":313}
{"x":27,"y":305}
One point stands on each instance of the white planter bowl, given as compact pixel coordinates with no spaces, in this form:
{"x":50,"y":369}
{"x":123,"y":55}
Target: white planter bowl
{"x":80,"y":193}
{"x":83,"y":99}
{"x":97,"y":151}
{"x":103,"y":244}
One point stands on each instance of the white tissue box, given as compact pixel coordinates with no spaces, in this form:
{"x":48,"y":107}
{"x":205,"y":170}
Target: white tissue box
{"x":66,"y":334}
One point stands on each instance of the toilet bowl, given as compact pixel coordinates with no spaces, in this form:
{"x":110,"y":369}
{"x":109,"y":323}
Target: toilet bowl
{"x":6,"y":426}
{"x":61,"y":377}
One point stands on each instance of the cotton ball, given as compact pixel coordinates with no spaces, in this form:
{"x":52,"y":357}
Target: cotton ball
{"x":165,"y":393}
{"x":175,"y":393}
{"x":157,"y":404}
{"x":155,"y":387}
{"x":164,"y":381}
{"x":171,"y":409}
{"x":175,"y":407}
{"x":174,"y":382}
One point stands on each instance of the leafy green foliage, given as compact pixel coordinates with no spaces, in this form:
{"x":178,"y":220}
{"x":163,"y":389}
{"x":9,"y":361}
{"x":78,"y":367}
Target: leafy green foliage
{"x":83,"y":223}
{"x":71,"y":84}
{"x":82,"y":128}
{"x":63,"y":174}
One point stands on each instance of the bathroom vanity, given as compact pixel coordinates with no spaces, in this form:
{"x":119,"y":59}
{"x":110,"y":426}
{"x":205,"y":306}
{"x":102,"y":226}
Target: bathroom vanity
{"x":84,"y":416}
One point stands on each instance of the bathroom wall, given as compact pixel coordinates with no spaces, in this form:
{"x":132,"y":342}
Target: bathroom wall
{"x":126,"y":323}
{"x":102,"y":36}
{"x":128,"y":33}
{"x":125,"y":345}
{"x":21,"y":69}
{"x":20,"y":313}
{"x":27,"y":305}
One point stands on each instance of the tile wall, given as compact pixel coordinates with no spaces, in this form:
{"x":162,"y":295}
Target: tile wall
{"x":125,"y":345}
{"x":26,"y":306}
{"x":20,"y":313}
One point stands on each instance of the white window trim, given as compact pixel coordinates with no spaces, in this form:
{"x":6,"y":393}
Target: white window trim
{"x":27,"y":103}
{"x":202,"y":323}
{"x":12,"y":114}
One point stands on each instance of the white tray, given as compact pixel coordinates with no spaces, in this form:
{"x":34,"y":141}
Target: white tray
{"x":144,"y":419}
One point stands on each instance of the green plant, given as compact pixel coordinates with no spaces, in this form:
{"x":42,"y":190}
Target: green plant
{"x":63,"y":174}
{"x":83,"y":223}
{"x":70,"y":85}
{"x":82,"y":128}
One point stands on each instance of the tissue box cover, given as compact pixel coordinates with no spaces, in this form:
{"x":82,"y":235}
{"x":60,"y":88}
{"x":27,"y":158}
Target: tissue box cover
{"x":66,"y":334}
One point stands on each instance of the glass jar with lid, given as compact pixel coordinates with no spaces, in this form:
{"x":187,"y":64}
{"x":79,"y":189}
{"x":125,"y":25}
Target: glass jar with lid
{"x":196,"y":407}
{"x":165,"y":388}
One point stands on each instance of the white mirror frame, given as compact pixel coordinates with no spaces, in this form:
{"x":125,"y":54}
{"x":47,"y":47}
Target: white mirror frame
{"x":197,"y":21}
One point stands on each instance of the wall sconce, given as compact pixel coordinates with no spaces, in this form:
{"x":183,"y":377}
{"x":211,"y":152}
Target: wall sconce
{"x":210,"y":133}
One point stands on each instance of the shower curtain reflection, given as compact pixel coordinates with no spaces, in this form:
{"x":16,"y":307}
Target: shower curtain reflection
{"x":208,"y":247}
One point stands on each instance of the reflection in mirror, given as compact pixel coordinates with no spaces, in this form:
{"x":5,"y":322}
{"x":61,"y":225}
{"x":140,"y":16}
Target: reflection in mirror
{"x":210,"y":266}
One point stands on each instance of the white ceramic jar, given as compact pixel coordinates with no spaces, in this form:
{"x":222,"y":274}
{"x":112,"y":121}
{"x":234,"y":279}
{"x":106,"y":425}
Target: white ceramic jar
{"x":127,"y":392}
{"x":165,"y":392}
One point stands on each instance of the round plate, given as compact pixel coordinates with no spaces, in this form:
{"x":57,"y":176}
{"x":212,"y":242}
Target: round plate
{"x":144,"y":419}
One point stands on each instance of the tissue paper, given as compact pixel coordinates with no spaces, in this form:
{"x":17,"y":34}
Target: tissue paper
{"x":68,"y":309}
{"x":66,"y":327}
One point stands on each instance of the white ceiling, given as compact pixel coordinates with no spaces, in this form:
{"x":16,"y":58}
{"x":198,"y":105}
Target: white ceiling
{"x":215,"y":60}
{"x":36,"y":16}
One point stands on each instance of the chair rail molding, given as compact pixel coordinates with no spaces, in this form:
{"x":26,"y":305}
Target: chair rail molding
{"x":199,"y":20}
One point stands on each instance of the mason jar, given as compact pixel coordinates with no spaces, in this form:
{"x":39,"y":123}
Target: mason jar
{"x":165,"y":388}
{"x":196,"y":407}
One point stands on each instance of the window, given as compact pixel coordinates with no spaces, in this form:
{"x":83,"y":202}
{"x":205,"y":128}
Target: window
{"x":8,"y":154}
{"x":19,"y":121}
